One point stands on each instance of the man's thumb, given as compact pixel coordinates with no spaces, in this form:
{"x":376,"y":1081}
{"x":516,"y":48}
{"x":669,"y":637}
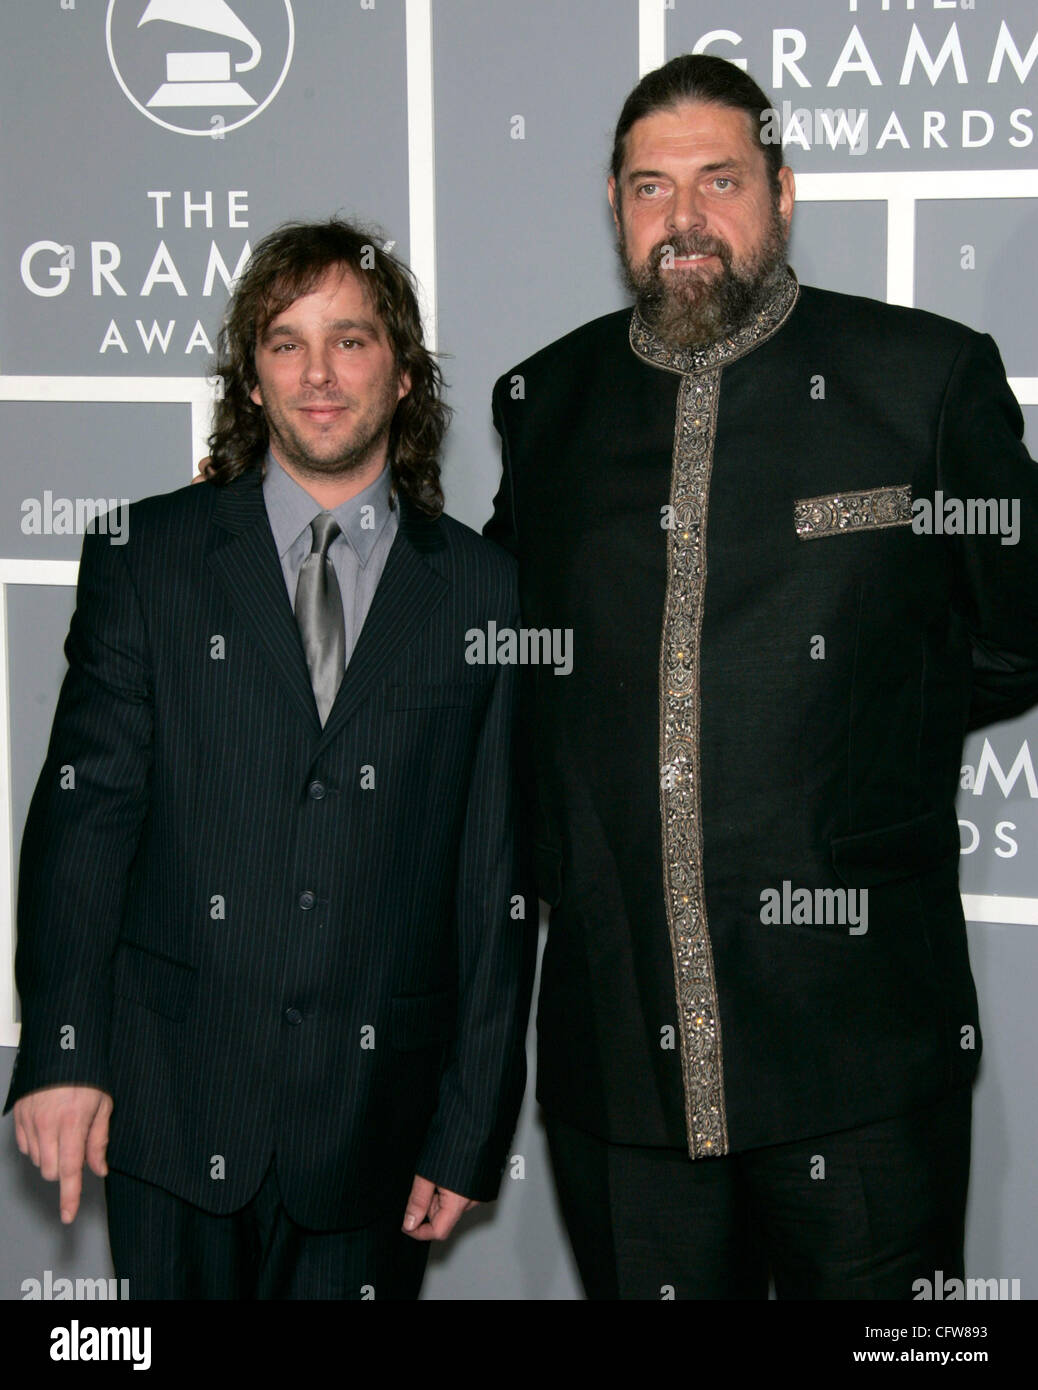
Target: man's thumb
{"x":418,"y":1203}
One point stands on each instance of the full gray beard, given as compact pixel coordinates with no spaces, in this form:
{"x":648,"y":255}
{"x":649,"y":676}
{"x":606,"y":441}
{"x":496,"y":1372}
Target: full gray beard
{"x":686,"y":310}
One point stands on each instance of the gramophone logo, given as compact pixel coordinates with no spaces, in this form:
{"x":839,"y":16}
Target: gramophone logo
{"x":170,"y":65}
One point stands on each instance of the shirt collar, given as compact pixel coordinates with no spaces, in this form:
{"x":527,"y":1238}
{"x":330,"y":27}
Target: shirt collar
{"x":649,"y":346}
{"x":291,"y":509}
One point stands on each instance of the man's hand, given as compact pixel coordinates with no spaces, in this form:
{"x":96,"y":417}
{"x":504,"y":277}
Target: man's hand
{"x":432,"y":1212}
{"x":60,"y":1126}
{"x":202,"y":476}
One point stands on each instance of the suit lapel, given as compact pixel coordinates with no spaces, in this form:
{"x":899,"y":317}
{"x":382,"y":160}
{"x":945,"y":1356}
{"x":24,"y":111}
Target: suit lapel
{"x":407,"y":594}
{"x":246,"y":562}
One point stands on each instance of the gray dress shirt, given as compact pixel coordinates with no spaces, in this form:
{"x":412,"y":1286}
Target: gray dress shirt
{"x":368,"y":525}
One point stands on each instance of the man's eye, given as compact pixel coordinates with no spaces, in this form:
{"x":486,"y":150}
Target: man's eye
{"x":723,"y":179}
{"x":282,"y":347}
{"x":350,"y":342}
{"x":649,"y":188}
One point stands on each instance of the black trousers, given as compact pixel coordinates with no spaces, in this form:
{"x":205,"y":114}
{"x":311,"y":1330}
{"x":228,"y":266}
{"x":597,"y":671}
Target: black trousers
{"x":860,"y":1214}
{"x":170,"y":1249}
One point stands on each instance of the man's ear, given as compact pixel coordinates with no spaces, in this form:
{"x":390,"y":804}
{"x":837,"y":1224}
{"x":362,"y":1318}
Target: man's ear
{"x":611,"y":185}
{"x":787,"y":193}
{"x":403,"y":385}
{"x":256,"y":396}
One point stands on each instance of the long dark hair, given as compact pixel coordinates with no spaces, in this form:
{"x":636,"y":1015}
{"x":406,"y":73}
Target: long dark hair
{"x":286,"y":265}
{"x":697,"y":77}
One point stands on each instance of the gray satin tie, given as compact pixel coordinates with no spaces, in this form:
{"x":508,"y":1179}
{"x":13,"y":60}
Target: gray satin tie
{"x":319,"y":615}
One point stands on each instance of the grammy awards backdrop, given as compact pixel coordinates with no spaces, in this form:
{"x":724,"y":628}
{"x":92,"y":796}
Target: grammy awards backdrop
{"x":148,"y":144}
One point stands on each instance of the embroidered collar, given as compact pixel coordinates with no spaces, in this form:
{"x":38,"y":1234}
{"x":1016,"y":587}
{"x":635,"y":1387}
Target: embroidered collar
{"x":719,"y":353}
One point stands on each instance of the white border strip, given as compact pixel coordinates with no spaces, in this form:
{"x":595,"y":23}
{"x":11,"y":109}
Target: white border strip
{"x":14,"y":572}
{"x":993,"y":907}
{"x":1025,"y":388}
{"x":652,"y":35}
{"x":901,"y":250}
{"x":421,"y":161}
{"x":901,"y":190}
{"x":197,"y":392}
{"x":9,"y":1027}
{"x":922,"y":185}
{"x":38,"y":572}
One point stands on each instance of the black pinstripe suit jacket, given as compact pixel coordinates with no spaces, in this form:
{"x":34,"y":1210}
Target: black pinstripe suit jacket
{"x":269,"y":937}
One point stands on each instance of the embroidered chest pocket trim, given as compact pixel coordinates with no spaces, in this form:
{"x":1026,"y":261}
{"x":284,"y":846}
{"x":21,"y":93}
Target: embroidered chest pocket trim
{"x":842,"y":513}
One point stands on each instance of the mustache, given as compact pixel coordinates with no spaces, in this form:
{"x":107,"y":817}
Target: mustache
{"x":691,"y":244}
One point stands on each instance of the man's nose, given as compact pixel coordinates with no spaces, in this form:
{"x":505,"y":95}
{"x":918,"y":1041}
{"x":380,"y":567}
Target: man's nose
{"x":318,"y":370}
{"x":687,"y":210}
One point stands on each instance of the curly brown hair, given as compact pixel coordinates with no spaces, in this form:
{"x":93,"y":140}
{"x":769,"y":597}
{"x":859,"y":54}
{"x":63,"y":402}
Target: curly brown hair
{"x":285,"y":265}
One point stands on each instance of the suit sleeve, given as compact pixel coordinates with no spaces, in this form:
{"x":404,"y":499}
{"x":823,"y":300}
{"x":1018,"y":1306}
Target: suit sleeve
{"x":981,"y":456}
{"x":495,"y":934}
{"x":503,"y":526}
{"x":82,"y":832}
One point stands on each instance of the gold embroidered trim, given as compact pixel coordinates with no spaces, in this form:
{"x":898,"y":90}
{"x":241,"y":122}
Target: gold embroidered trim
{"x":844,"y":512}
{"x":723,"y":350}
{"x":699,"y":1020}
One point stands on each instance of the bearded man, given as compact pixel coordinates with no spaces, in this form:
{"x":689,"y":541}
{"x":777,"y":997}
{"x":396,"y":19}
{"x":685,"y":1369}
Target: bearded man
{"x":757,"y":1021}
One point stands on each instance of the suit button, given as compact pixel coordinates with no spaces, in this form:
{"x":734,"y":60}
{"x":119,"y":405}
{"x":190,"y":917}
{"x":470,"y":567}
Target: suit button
{"x":293,"y":1016}
{"x":307,"y":900}
{"x":317,"y":791}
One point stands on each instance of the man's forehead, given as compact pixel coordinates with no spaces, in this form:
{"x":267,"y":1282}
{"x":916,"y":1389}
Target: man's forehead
{"x":339,"y":285}
{"x":692,"y":130}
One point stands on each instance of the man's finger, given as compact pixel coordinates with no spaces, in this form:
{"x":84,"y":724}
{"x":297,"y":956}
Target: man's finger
{"x":70,"y":1193}
{"x":422,"y":1192}
{"x":97,"y":1141}
{"x":32,"y":1138}
{"x":444,"y":1211}
{"x":47,"y":1144}
{"x":20,"y":1137}
{"x":71,"y":1147}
